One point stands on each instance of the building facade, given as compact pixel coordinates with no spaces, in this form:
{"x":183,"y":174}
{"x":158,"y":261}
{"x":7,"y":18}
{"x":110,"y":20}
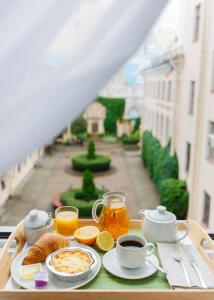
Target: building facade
{"x":119,"y":88}
{"x":161,"y":83}
{"x":11,"y":179}
{"x":95,"y":115}
{"x":190,"y":112}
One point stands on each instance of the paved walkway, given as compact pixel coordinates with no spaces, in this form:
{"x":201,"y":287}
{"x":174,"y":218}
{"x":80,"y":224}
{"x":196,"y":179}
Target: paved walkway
{"x":49,"y":178}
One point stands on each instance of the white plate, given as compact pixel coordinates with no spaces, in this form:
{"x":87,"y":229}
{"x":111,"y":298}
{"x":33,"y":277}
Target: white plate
{"x":54,"y":283}
{"x":111,"y":264}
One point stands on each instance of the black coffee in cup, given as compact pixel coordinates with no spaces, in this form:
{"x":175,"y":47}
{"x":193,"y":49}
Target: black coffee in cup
{"x":131,"y":244}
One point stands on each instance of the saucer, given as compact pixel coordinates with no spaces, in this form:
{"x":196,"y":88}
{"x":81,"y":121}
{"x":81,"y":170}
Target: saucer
{"x":111,"y":265}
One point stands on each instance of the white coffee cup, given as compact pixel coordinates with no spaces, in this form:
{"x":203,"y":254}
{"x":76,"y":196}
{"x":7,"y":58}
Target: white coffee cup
{"x":132,"y":251}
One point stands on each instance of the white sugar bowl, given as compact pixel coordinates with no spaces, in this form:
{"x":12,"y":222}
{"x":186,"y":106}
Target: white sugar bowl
{"x":160,"y":225}
{"x":37,"y":223}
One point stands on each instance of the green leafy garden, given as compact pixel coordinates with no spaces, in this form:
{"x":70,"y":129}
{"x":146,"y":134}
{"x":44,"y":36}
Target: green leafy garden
{"x":91,"y":161}
{"x":83,"y":198}
{"x":108,"y":138}
{"x":132,"y":139}
{"x":115,"y":109}
{"x":79,"y":126}
{"x":163,"y":169}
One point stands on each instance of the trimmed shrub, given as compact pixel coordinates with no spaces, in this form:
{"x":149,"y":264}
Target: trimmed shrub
{"x":150,"y":150}
{"x":91,"y":150}
{"x":83,"y":198}
{"x":88,"y":191}
{"x":115,"y":109}
{"x":158,"y":160}
{"x":163,"y":169}
{"x":79,"y":126}
{"x":91,"y":161}
{"x":82,"y":163}
{"x":85,"y":206}
{"x":166,"y":167}
{"x":174,"y":196}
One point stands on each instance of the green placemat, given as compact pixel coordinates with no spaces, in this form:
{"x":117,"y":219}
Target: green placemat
{"x":106,"y":281}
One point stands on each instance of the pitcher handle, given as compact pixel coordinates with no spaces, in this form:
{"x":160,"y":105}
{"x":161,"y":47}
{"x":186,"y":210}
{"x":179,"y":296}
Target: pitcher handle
{"x":184,"y":223}
{"x":94,"y":209}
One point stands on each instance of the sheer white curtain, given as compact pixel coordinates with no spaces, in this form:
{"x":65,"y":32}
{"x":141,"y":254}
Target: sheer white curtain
{"x":55,"y":55}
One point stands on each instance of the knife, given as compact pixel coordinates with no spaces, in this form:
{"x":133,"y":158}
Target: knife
{"x":194,"y":265}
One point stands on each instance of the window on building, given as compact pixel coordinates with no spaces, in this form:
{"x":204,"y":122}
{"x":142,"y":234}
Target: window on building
{"x":210,"y":143}
{"x":206,"y":210}
{"x":163,"y":90}
{"x":158,"y":95}
{"x":149,"y":89}
{"x":169,"y":91}
{"x":161,"y":126}
{"x":212,"y":75}
{"x":196,"y":22}
{"x":155,"y":89}
{"x":167,"y":129}
{"x":188,"y":156}
{"x":3,"y":186}
{"x":192,"y":96}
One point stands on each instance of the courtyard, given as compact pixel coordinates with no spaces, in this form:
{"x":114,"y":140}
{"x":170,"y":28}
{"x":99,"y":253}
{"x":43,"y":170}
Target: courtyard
{"x":50,"y":177}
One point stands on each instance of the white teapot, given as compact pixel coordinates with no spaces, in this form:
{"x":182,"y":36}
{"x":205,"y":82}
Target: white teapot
{"x":160,"y":225}
{"x":37,"y":223}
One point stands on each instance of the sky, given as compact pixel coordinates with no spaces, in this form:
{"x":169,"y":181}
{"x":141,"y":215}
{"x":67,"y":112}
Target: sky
{"x":167,"y":21}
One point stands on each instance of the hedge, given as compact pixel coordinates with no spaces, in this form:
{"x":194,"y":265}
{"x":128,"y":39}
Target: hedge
{"x":82,"y":163}
{"x":115,"y":109}
{"x":174,"y":196}
{"x":161,"y":164}
{"x":163,"y":168}
{"x":85,"y":207}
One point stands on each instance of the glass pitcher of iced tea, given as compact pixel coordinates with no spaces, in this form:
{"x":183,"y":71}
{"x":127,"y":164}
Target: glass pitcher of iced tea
{"x":114,"y":216}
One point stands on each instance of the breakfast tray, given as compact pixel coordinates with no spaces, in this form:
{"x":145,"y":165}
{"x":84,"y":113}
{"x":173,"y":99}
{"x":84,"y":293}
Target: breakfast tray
{"x":106,"y":286}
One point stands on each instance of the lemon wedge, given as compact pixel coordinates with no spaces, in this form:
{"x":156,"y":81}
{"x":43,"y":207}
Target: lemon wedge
{"x":104,"y":241}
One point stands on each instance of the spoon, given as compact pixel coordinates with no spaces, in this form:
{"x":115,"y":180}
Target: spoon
{"x":157,"y":266}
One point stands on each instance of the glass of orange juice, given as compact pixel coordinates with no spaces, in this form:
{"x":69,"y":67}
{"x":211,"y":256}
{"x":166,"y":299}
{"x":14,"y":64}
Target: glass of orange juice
{"x":66,"y":220}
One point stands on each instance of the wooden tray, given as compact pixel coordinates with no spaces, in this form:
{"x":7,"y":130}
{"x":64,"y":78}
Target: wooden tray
{"x":197,"y":235}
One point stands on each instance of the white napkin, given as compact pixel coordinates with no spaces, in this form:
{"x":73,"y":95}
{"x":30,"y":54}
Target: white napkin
{"x":175,"y":275}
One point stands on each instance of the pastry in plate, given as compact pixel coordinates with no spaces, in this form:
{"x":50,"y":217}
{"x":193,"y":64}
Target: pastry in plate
{"x":46,"y":244}
{"x":72,"y":261}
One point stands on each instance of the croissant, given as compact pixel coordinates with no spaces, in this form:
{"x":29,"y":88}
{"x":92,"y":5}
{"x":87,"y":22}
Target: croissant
{"x":46,"y":244}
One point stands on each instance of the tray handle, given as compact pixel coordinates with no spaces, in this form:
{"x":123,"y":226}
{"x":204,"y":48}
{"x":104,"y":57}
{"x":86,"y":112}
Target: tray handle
{"x":5,"y":258}
{"x":199,"y":236}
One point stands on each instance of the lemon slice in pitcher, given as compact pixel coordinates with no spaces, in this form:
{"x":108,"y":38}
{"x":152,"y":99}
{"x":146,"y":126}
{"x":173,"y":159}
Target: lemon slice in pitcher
{"x":105,"y":241}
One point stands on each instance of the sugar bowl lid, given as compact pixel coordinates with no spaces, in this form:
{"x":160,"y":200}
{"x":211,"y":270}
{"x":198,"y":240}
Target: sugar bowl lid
{"x":36,"y":218}
{"x":160,"y":214}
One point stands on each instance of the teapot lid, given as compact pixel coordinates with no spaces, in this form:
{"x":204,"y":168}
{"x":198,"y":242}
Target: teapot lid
{"x":36,"y":218}
{"x":161,"y":214}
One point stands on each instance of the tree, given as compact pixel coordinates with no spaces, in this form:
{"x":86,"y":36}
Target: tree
{"x":91,"y":150}
{"x":79,"y":125}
